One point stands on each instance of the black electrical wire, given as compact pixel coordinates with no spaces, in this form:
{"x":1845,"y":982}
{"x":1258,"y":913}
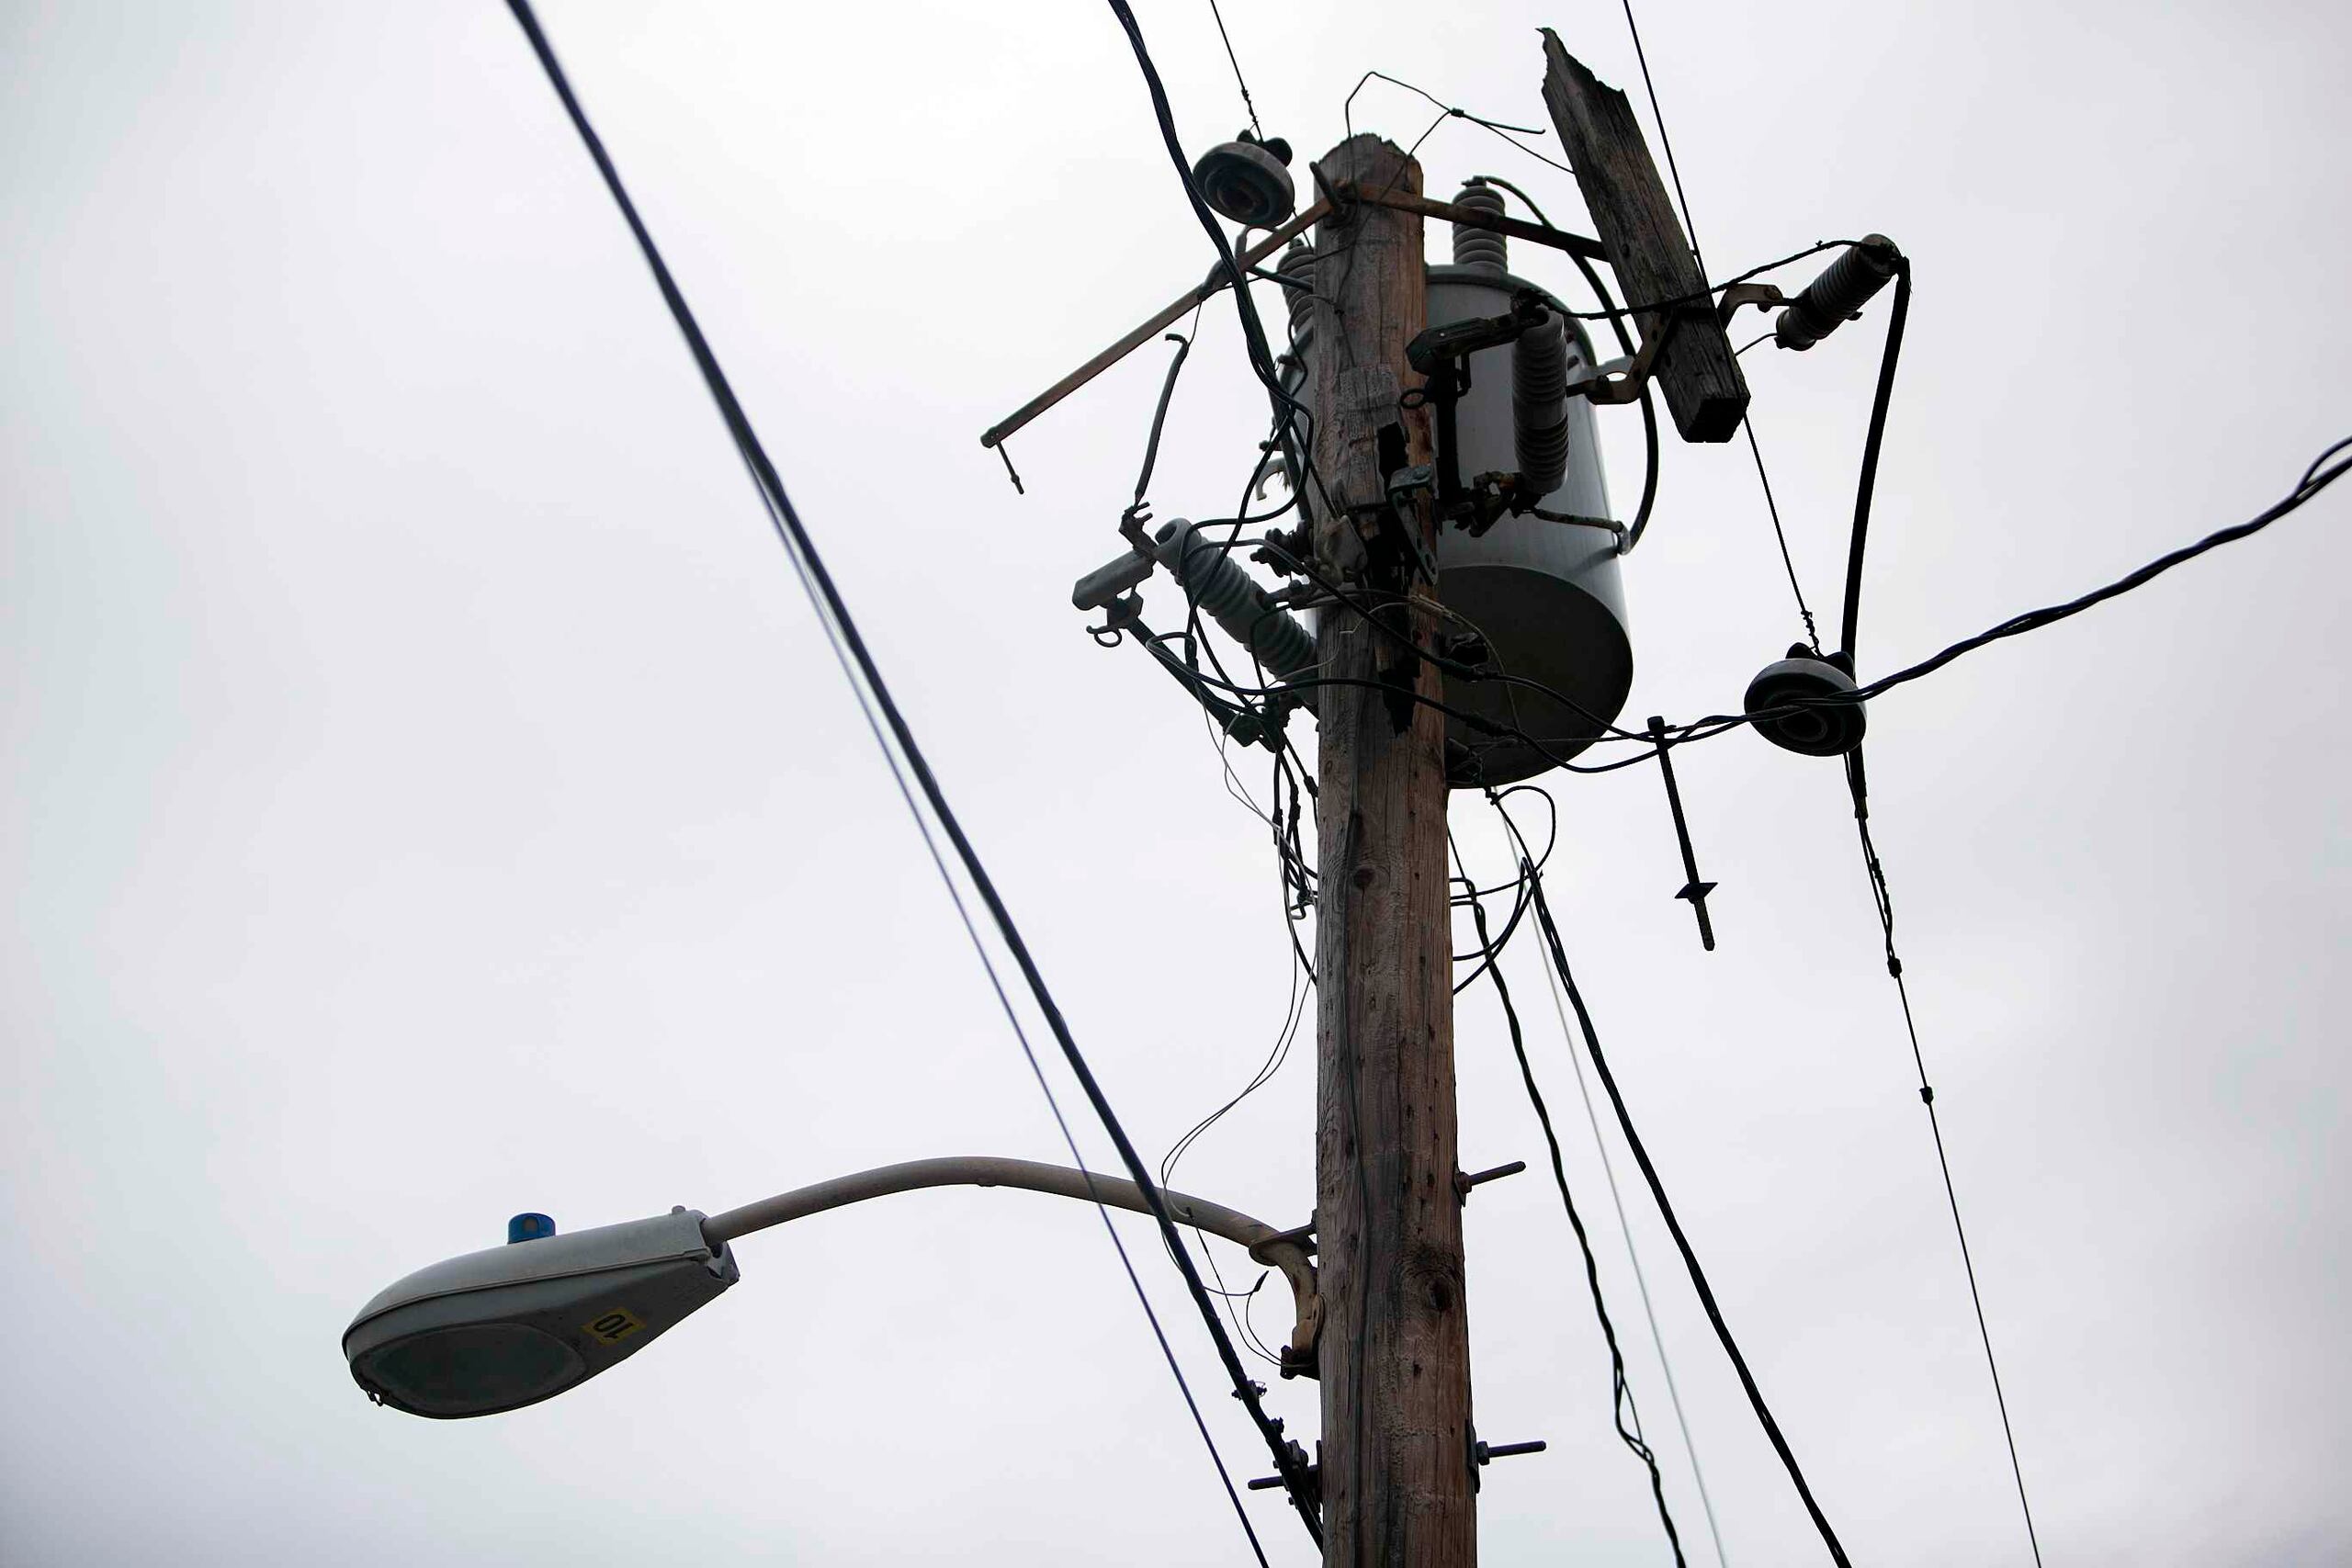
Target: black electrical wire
{"x":868,"y":683}
{"x":1497,"y":728}
{"x":1621,"y":1391}
{"x":1666,"y":1211}
{"x":1710,"y":290}
{"x":2315,"y":479}
{"x":1235,"y":60}
{"x":1772,"y":508}
{"x":2332,"y":449}
{"x":1869,"y":482}
{"x":1885,"y":906}
{"x":1254,"y":331}
{"x":1880,"y":896}
{"x":1804,"y":612}
{"x":1160,"y":415}
{"x":1293,"y":1012}
{"x":1665,"y":141}
{"x":1616,"y":1197}
{"x":1501,"y":129}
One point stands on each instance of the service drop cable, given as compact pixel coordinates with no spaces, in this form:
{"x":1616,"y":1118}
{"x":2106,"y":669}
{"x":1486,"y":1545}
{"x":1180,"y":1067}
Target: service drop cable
{"x":908,"y":760}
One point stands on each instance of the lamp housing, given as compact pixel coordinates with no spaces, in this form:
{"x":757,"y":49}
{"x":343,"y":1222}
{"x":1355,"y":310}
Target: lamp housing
{"x":509,"y":1326}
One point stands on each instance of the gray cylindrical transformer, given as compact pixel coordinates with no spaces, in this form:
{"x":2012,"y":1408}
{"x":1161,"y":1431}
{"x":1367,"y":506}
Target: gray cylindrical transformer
{"x":1545,"y":596}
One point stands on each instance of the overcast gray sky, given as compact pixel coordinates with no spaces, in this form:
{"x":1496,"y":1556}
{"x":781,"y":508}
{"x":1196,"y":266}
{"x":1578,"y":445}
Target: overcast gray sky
{"x":426,"y":795}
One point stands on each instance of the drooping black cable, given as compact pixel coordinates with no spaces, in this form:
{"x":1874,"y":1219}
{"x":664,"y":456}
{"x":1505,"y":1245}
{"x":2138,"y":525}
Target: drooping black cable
{"x":1160,"y":414}
{"x":2332,"y":449}
{"x":2315,"y":479}
{"x":2034,"y":620}
{"x":1254,"y":331}
{"x":835,"y":614}
{"x":1674,"y":1226}
{"x":1869,"y":482}
{"x":1621,"y":1391}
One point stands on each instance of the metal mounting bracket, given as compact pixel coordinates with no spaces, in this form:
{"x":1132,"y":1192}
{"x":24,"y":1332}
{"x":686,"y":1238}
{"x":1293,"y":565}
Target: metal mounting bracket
{"x":1603,"y":385}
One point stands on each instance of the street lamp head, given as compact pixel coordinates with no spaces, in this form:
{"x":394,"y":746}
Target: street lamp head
{"x":515,"y":1324}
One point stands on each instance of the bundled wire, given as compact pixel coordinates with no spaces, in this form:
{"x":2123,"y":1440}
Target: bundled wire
{"x":907,"y":761}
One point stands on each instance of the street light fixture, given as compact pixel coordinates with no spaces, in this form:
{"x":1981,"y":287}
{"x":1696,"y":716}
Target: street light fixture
{"x":510,"y":1326}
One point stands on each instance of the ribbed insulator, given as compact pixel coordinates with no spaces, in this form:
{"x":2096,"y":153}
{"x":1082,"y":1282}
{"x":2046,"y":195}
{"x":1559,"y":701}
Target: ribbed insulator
{"x":1481,"y":248}
{"x":1216,"y":582}
{"x":1844,"y":287}
{"x":1298,"y":261}
{"x":1539,"y":409}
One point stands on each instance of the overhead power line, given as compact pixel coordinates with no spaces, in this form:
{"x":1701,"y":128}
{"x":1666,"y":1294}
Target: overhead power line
{"x":908,"y":760}
{"x":1616,"y":1198}
{"x":1885,"y":906}
{"x":1622,"y":1407}
{"x":1674,"y":1226}
{"x":1235,"y":60}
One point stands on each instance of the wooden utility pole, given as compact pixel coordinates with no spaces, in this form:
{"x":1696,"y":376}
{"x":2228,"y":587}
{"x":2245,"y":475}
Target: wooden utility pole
{"x":1394,"y":1350}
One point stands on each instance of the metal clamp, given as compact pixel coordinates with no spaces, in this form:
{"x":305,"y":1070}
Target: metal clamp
{"x":1764,"y":296}
{"x":1600,"y":386}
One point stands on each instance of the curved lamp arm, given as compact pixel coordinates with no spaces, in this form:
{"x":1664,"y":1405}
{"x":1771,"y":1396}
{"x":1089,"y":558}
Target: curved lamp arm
{"x":1285,"y":1250}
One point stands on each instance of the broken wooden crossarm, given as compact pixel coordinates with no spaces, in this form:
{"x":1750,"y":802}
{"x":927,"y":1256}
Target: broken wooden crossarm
{"x":1400,"y":200}
{"x":1144,"y":333}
